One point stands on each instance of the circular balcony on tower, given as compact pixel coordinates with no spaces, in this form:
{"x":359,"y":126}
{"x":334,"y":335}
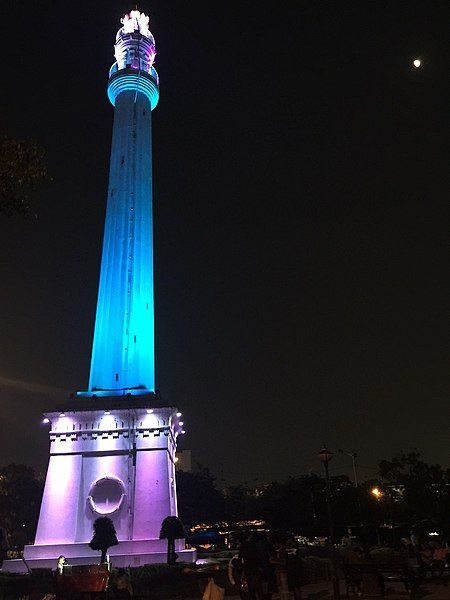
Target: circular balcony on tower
{"x":133,"y":79}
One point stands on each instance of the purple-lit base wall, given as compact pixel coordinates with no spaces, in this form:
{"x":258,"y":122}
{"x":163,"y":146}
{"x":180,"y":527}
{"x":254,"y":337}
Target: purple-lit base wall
{"x":126,"y":554}
{"x":119,"y":463}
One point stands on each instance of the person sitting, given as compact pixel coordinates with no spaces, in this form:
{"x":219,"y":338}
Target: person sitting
{"x":122,"y":585}
{"x":353,"y":577}
{"x":61,"y":562}
{"x":424,"y":559}
{"x":438,"y":560}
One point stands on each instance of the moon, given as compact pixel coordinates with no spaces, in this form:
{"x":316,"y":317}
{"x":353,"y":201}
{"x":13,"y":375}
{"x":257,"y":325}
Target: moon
{"x":417,"y":63}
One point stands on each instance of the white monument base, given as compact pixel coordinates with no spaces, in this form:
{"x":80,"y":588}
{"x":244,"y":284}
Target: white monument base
{"x":108,"y":457}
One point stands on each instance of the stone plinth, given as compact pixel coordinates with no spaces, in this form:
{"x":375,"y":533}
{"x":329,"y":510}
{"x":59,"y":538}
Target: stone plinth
{"x":116,"y":460}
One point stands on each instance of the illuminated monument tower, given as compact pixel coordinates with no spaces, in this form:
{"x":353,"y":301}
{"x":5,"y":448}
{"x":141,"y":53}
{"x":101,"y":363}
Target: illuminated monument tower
{"x":123,"y":356}
{"x":112,"y":448}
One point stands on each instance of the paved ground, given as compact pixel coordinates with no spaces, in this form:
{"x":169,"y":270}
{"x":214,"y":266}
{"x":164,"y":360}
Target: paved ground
{"x":323,"y":591}
{"x":394,"y":591}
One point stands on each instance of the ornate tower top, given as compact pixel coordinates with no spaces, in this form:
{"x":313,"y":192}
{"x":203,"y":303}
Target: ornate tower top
{"x":135,"y":52}
{"x":135,"y":21}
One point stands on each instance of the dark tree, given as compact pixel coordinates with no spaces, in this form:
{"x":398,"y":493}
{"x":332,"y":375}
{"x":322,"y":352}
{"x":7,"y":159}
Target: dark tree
{"x":297,"y":504}
{"x":240,"y":503}
{"x":22,"y":167}
{"x":199,"y":501}
{"x":418,"y":490}
{"x":104,"y":536}
{"x":20,"y":500}
{"x":171,"y":529}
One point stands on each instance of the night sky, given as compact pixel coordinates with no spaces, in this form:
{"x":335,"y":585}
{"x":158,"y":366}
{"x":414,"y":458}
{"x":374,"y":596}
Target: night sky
{"x":301,"y":184}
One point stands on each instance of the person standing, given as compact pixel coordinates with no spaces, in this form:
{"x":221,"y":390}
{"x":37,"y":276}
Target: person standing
{"x":235,"y":576}
{"x":294,"y":567}
{"x":280,"y":561}
{"x":4,"y":546}
{"x":424,"y":559}
{"x":251,"y":570}
{"x":438,"y":560}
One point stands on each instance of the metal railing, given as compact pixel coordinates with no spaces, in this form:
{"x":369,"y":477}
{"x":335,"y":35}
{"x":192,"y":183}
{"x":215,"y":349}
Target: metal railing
{"x":143,"y":66}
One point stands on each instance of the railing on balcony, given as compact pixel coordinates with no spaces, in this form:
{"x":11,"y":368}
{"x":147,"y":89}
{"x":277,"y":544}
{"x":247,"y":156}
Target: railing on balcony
{"x":143,"y":66}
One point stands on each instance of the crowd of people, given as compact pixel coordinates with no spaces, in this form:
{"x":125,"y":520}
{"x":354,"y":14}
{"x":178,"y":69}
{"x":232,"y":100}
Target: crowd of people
{"x":417,"y":560}
{"x":266,"y":565}
{"x":432,"y":558}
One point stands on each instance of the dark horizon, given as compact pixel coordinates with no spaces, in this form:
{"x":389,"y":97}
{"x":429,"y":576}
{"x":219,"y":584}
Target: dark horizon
{"x":301,"y":170}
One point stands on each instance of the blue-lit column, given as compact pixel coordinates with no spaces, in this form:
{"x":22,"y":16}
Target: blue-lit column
{"x":123,"y":358}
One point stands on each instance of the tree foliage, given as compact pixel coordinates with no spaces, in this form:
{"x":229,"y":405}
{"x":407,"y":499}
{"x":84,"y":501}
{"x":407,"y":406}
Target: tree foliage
{"x":239,"y":503}
{"x":199,"y":500}
{"x":20,"y":501}
{"x":414,"y":492}
{"x":298,"y":504}
{"x":22,"y":168}
{"x":418,"y":490}
{"x":171,"y":529}
{"x":104,"y":536}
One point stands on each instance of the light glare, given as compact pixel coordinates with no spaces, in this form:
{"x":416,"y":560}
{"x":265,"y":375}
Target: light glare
{"x":376,"y":493}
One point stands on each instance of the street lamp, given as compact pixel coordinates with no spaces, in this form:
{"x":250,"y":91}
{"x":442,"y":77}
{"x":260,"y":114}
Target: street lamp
{"x":353,"y":456}
{"x":386,"y":495}
{"x":325,"y":456}
{"x":377,"y":493}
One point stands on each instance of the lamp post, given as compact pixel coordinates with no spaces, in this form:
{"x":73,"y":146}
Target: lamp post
{"x":381,"y":494}
{"x":353,"y":456}
{"x":325,"y":456}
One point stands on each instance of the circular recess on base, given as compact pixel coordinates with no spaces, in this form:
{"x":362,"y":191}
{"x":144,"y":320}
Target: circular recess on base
{"x":106,"y":495}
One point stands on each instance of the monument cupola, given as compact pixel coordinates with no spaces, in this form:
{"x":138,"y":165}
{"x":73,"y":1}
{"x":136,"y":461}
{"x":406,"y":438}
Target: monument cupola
{"x":135,"y":45}
{"x":135,"y":53}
